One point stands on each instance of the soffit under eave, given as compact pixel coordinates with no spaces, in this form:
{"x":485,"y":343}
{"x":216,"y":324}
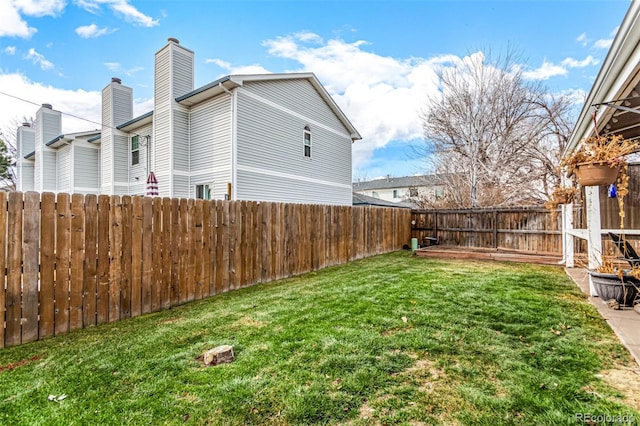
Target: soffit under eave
{"x":622,"y":121}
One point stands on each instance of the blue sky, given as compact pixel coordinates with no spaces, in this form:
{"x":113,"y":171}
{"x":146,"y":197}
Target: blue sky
{"x":376,"y":58}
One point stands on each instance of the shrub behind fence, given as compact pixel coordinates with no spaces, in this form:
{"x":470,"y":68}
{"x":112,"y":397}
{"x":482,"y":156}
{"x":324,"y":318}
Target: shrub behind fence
{"x":73,"y":261}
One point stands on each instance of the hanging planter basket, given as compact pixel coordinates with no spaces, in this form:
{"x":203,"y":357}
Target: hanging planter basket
{"x":561,"y":199}
{"x":595,"y":174}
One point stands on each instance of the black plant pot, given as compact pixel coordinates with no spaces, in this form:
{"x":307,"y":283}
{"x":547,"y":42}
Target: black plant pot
{"x":610,"y":286}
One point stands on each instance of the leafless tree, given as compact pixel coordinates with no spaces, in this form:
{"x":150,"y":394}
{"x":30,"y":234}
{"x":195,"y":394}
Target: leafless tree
{"x":8,"y":151}
{"x":495,"y":137}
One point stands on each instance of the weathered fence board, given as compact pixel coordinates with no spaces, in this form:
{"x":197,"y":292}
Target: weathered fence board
{"x":77,"y":261}
{"x":47,"y":262}
{"x":30,"y":267}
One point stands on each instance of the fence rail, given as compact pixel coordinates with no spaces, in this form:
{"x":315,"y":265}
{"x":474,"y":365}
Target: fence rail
{"x":528,"y":229}
{"x":73,"y":261}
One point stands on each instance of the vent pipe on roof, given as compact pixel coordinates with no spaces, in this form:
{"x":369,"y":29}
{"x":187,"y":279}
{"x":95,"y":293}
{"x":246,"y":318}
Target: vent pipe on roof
{"x":25,"y":124}
{"x":47,"y":106}
{"x":172,"y":39}
{"x":116,"y":80}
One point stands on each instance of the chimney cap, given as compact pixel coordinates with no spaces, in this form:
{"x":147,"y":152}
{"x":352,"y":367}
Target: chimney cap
{"x":173,"y":39}
{"x":116,"y":80}
{"x":47,"y":106}
{"x":26,"y":124}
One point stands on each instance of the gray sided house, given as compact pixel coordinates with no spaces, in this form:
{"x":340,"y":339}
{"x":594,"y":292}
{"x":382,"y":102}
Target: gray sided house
{"x":399,"y":189}
{"x":266,"y":137}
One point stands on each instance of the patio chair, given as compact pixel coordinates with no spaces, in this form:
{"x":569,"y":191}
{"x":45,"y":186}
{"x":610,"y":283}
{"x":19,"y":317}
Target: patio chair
{"x":628,"y":252}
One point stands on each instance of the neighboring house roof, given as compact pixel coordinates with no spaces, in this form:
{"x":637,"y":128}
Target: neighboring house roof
{"x":229,"y":82}
{"x":365,"y":200}
{"x":30,"y":155}
{"x":399,"y":182}
{"x":61,"y":140}
{"x":95,"y":138}
{"x":139,"y":121}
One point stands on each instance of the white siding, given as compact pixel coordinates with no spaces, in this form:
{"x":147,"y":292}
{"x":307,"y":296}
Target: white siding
{"x":162,"y":150}
{"x":211,"y":145}
{"x":270,"y":138}
{"x":180,"y":186}
{"x":182,"y":71}
{"x":297,"y":95}
{"x":260,"y":187}
{"x":85,"y":169}
{"x":51,"y":125}
{"x":49,"y":170}
{"x":106,"y":144}
{"x":122,"y":104}
{"x":26,"y":175}
{"x":37,"y":171}
{"x":180,"y":140}
{"x":64,"y":169}
{"x":121,"y":159}
{"x":140,"y":171}
{"x":162,"y":83}
{"x":26,"y":141}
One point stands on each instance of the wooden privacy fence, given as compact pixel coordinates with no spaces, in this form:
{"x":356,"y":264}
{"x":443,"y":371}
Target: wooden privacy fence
{"x":530,"y":229}
{"x":74,"y":261}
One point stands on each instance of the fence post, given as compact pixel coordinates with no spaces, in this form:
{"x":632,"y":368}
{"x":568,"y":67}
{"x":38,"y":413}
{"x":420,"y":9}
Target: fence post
{"x":495,"y":229}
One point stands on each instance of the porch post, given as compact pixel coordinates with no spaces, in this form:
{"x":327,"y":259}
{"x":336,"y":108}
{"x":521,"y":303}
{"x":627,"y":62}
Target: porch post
{"x":567,"y":238}
{"x":594,"y":237}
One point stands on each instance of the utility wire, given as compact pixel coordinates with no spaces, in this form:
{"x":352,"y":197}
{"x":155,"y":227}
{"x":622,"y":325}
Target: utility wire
{"x":62,"y":112}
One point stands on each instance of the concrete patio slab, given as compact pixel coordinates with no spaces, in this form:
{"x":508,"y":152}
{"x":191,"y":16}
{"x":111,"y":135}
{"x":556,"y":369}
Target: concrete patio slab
{"x":625,"y":323}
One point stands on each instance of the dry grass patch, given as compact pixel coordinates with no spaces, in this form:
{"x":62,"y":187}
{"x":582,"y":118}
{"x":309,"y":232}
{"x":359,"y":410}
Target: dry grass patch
{"x":626,"y":381}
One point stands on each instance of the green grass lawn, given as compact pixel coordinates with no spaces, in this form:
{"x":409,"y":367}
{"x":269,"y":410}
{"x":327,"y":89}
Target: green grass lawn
{"x":392,"y":339}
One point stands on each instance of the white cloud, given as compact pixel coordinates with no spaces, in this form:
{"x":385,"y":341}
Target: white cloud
{"x":88,"y":5}
{"x":603,"y":43}
{"x":38,"y":58}
{"x":381,"y":95}
{"x":582,"y":38}
{"x":574,"y":63}
{"x":219,"y":62}
{"x":238,"y":69}
{"x":10,"y":50}
{"x":121,"y":7}
{"x":113,"y":66}
{"x":549,"y":69}
{"x":39,"y":7}
{"x":117,"y":67}
{"x":92,"y":31}
{"x":11,"y":23}
{"x":80,"y":103}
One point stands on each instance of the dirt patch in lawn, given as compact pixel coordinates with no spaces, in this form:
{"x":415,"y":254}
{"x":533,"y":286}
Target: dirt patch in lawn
{"x":20,"y":363}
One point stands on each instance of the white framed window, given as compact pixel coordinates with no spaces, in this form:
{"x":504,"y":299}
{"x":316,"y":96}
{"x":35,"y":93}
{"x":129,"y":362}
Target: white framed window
{"x":307,"y":141}
{"x":203,"y":192}
{"x":135,"y":150}
{"x":396,"y":193}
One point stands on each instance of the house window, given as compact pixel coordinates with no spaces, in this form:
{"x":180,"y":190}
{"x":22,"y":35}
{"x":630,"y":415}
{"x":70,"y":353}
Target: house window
{"x":413,"y":192}
{"x":203,"y":192}
{"x":307,"y":141}
{"x":135,"y":150}
{"x":396,"y":193}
